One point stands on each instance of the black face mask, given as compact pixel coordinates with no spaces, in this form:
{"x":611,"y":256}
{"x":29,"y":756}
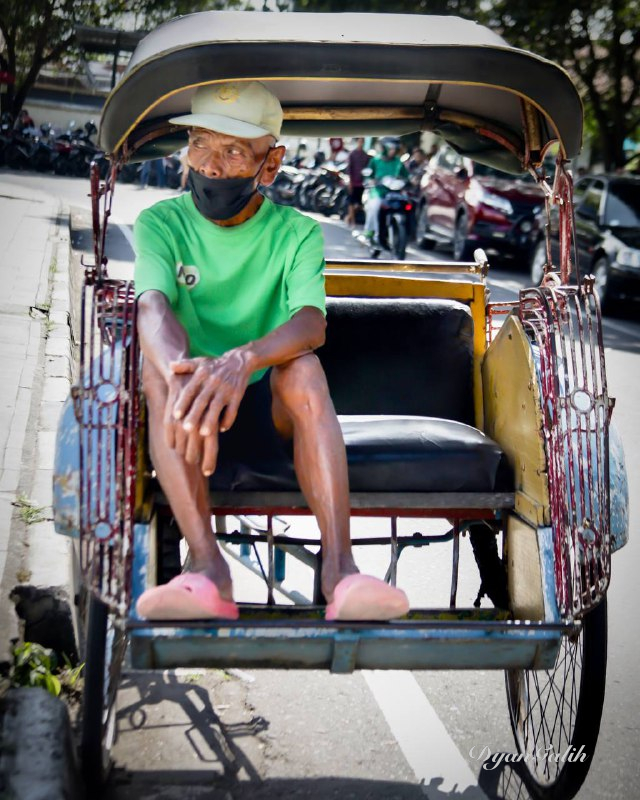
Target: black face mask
{"x":222,"y":198}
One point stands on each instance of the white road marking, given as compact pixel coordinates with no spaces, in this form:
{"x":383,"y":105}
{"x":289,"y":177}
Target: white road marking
{"x":421,"y":735}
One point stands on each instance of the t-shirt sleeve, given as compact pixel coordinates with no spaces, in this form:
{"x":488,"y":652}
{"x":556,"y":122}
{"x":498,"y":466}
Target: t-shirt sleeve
{"x":305,"y":279}
{"x":154,"y":260}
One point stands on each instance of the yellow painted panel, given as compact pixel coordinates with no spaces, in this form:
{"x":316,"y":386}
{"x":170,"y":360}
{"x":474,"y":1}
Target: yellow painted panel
{"x":524,"y":575}
{"x":513,"y":416}
{"x":448,"y":281}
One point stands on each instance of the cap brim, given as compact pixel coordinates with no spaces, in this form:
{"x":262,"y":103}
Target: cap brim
{"x":220,"y":124}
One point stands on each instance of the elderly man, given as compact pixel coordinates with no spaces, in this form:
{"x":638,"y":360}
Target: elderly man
{"x":230,"y":309}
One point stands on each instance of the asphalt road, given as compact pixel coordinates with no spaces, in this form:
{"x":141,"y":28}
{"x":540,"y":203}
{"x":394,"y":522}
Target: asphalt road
{"x":266,"y":734}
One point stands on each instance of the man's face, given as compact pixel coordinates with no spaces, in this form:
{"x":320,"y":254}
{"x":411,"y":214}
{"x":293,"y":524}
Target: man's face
{"x":216,"y":155}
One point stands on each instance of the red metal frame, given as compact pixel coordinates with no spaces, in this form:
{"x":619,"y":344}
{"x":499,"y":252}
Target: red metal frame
{"x":565,"y":324}
{"x":106,"y":402}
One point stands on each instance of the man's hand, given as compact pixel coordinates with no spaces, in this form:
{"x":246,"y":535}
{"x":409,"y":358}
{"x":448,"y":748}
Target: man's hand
{"x":208,"y":401}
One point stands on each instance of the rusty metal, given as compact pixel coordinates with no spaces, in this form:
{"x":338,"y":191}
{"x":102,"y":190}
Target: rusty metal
{"x":106,"y":405}
{"x":495,"y":317}
{"x":565,"y":326}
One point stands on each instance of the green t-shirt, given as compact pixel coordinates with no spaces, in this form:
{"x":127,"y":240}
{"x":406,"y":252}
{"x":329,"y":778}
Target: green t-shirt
{"x":229,"y":285}
{"x":381,"y":168}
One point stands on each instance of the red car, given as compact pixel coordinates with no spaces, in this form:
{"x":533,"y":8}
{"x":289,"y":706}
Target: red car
{"x":467,"y":205}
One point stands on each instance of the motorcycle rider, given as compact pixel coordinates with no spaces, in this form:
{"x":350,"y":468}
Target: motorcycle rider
{"x":387,"y":163}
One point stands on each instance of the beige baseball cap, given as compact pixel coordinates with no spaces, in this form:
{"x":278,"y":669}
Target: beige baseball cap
{"x":237,"y":108}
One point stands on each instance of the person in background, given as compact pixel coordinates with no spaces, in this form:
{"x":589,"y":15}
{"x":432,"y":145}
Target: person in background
{"x":357,"y":161}
{"x":386,"y":164}
{"x":158,"y":167}
{"x":24,"y":121}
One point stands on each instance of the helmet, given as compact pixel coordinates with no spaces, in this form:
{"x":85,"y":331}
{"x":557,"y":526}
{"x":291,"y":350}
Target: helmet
{"x":388,"y":143}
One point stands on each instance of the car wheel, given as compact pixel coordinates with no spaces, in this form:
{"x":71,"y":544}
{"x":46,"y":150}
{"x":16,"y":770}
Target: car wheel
{"x":461,"y":247}
{"x":602,"y":283}
{"x":538,"y":262}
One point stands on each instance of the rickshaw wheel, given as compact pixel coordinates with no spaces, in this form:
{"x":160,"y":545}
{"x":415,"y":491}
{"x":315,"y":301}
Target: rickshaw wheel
{"x":561,"y":709}
{"x":105,"y":648}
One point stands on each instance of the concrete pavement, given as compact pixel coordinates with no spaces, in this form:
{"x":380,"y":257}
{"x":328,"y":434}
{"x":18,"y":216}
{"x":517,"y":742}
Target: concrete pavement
{"x":35,"y":372}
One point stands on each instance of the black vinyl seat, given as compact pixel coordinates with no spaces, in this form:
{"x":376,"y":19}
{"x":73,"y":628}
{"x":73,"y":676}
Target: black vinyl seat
{"x":400,"y":375}
{"x":390,"y":454}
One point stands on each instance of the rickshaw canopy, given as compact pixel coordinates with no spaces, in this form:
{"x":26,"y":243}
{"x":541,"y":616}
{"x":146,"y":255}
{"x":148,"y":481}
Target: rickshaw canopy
{"x":351,"y":75}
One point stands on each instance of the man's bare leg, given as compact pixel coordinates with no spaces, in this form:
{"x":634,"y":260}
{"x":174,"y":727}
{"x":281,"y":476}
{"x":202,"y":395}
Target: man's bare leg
{"x":185,"y":487}
{"x":302,"y":409}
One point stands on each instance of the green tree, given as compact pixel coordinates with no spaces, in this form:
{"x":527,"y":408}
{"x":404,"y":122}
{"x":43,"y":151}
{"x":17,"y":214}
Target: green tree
{"x":38,"y":32}
{"x":598,"y":42}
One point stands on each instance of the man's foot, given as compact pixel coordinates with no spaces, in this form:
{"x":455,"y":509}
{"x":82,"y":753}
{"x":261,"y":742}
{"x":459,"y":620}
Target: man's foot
{"x":363,"y":597}
{"x":188,"y":596}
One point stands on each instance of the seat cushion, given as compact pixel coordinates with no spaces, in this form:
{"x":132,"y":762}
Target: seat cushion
{"x":391,"y":454}
{"x":400,"y":356}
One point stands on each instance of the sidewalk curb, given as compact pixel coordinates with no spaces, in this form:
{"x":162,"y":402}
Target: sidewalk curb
{"x":37,"y":754}
{"x":37,"y":750}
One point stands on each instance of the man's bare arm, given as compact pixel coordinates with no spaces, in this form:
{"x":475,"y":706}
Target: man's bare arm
{"x":220,"y":383}
{"x":163,"y":340}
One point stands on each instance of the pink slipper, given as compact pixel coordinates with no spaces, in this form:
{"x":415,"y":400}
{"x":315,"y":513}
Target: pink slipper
{"x":188,"y":596}
{"x":363,"y":597}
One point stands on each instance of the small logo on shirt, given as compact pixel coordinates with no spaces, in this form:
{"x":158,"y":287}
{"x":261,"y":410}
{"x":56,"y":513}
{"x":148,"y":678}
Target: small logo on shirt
{"x":188,"y":276}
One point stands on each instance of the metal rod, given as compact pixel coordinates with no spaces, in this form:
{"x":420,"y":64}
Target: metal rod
{"x":456,"y":560}
{"x":393,"y":566}
{"x":270,"y":562}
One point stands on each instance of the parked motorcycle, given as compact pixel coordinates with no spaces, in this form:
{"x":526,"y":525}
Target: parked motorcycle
{"x":28,"y":150}
{"x":331,"y":196}
{"x":284,"y":189}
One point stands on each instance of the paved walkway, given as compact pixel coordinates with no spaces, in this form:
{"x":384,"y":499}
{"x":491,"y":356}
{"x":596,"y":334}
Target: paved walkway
{"x":34,"y":380}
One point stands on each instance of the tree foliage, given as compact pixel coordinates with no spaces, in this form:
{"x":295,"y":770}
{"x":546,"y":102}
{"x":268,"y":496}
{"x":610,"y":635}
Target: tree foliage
{"x":598,"y":42}
{"x":462,"y":8}
{"x":34,"y":33}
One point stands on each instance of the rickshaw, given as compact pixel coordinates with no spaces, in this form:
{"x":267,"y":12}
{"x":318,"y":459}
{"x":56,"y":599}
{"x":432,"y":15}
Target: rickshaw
{"x":492,"y":416}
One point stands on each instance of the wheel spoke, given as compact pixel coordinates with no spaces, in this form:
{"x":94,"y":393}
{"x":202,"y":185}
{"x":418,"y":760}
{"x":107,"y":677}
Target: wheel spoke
{"x":559,"y":709}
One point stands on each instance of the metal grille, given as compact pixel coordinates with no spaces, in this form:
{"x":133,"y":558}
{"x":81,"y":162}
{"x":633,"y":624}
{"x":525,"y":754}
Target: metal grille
{"x":106,"y":402}
{"x":564,"y":324}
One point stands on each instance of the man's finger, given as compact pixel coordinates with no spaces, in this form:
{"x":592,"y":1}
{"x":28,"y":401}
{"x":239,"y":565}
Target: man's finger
{"x":185,"y":367}
{"x":230,"y":414}
{"x":193,"y":419}
{"x":188,"y":393}
{"x":181,"y":438}
{"x":211,"y":420}
{"x":194,"y":448}
{"x":209,"y":454}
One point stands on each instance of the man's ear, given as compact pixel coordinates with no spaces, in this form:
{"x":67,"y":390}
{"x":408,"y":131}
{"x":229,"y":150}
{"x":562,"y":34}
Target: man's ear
{"x":272,"y":165}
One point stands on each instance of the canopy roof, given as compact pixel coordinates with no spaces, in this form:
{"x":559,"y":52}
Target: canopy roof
{"x":350,"y":75}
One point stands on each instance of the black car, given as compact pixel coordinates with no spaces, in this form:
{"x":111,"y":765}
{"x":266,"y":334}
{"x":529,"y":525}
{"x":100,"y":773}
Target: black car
{"x":607,"y":225}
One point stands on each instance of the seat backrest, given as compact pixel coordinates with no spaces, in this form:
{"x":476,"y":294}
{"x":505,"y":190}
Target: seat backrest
{"x":400,"y":356}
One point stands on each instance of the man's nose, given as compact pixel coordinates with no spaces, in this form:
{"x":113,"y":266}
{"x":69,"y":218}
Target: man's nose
{"x":211,"y":166}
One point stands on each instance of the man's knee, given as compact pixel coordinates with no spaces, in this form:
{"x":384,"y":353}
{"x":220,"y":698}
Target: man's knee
{"x":301,"y":386}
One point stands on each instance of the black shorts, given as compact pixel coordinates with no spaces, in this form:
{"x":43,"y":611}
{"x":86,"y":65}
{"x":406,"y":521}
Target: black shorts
{"x":355,"y":196}
{"x":253,"y":438}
